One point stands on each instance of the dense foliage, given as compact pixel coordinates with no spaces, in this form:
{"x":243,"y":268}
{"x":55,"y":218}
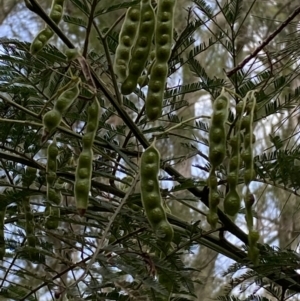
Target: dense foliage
{"x":110,"y":251}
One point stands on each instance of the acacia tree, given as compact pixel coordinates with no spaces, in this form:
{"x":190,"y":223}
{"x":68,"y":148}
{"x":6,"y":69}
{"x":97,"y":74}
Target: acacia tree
{"x":112,"y":252}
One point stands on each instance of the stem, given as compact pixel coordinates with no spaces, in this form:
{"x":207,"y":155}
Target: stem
{"x":264,"y":43}
{"x":21,"y":122}
{"x":113,"y":26}
{"x":110,"y":64}
{"x":101,"y":243}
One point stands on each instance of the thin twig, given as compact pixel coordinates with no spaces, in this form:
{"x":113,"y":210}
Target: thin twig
{"x":25,"y":122}
{"x":39,"y":11}
{"x":78,"y":264}
{"x":101,"y":243}
{"x":89,"y":27}
{"x":194,"y":238}
{"x":264,"y":43}
{"x":127,"y":139}
{"x":110,"y":64}
{"x":278,"y":186}
{"x":113,"y":26}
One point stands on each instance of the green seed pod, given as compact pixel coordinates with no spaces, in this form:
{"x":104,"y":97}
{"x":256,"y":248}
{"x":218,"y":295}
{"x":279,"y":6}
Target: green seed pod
{"x":214,"y":199}
{"x":253,"y":252}
{"x":249,"y":173}
{"x":52,"y":218}
{"x":66,"y":99}
{"x":240,"y":107}
{"x":46,"y":34}
{"x":52,"y":119}
{"x":232,"y":201}
{"x":53,"y":195}
{"x":82,"y":188}
{"x":212,"y":218}
{"x":126,"y":40}
{"x":217,"y":152}
{"x":72,"y":54}
{"x":88,"y":139}
{"x":56,"y":11}
{"x":84,"y":168}
{"x":51,"y":167}
{"x":156,"y":215}
{"x":142,"y":47}
{"x":165,"y":231}
{"x":40,"y":41}
{"x":217,"y":133}
{"x":27,"y":180}
{"x":150,"y":192}
{"x":29,"y":176}
{"x":247,"y":124}
{"x":249,"y":201}
{"x":159,"y":71}
{"x":157,"y":82}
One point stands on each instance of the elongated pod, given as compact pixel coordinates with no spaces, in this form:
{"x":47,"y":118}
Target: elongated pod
{"x":83,"y":174}
{"x":126,"y":41}
{"x":52,"y":119}
{"x":249,"y":173}
{"x":232,"y":201}
{"x":217,"y":152}
{"x":27,"y":179}
{"x":150,"y":192}
{"x":46,"y":34}
{"x":142,"y":47}
{"x":53,"y":195}
{"x":163,"y":46}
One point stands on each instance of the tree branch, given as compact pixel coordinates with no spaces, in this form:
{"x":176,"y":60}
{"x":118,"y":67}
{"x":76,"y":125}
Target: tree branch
{"x":264,"y":43}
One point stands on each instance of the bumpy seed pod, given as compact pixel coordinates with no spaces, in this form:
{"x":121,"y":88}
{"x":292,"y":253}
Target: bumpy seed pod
{"x":142,"y":47}
{"x":253,"y":236}
{"x":27,"y":180}
{"x":249,"y":173}
{"x":213,"y":198}
{"x":56,"y":11}
{"x":52,"y":215}
{"x":217,"y":151}
{"x":232,"y":201}
{"x":84,"y":168}
{"x":247,"y":125}
{"x":51,"y":167}
{"x":41,"y":40}
{"x":126,"y":40}
{"x":150,"y":192}
{"x":72,"y":54}
{"x":217,"y":133}
{"x":52,"y":119}
{"x":46,"y":34}
{"x":53,"y":195}
{"x":159,"y":71}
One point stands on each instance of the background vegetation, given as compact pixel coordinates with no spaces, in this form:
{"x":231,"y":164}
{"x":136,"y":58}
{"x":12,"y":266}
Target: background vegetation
{"x":111,"y":253}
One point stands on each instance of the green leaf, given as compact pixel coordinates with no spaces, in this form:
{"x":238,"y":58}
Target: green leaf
{"x":116,"y":7}
{"x":76,"y":21}
{"x":82,"y":6}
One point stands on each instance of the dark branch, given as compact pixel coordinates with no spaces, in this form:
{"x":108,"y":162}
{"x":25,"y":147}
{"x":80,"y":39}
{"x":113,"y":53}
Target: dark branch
{"x":264,"y":43}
